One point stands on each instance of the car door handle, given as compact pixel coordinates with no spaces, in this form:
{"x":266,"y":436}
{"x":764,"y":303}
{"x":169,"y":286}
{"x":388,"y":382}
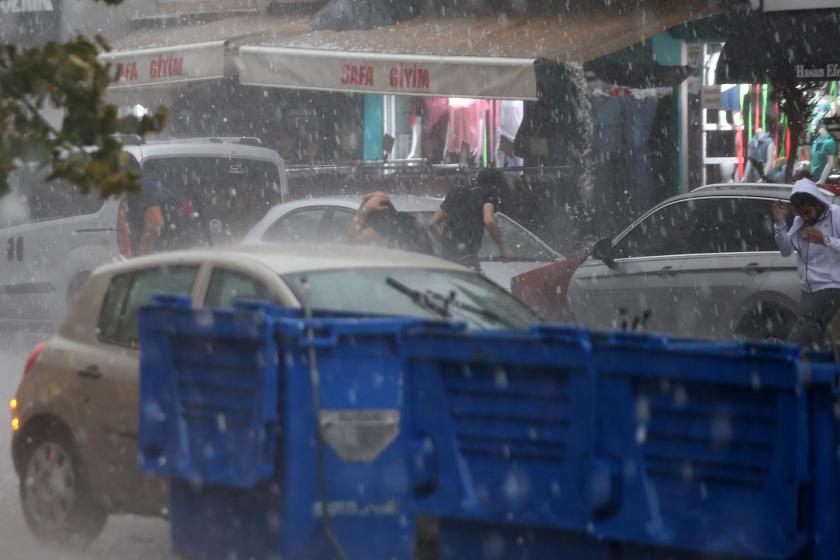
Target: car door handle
{"x":91,"y":372}
{"x":667,"y":271}
{"x":753,"y":268}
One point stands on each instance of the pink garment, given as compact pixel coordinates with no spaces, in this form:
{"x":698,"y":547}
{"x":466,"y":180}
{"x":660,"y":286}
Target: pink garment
{"x":465,"y":124}
{"x":435,"y":108}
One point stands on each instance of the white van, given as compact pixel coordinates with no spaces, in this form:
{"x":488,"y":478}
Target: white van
{"x":52,"y":237}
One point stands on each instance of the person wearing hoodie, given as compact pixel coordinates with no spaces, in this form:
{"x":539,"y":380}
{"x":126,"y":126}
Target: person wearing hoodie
{"x":815,"y":237}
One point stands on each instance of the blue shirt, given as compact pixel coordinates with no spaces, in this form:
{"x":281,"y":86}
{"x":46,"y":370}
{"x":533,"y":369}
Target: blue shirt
{"x":821,"y":148}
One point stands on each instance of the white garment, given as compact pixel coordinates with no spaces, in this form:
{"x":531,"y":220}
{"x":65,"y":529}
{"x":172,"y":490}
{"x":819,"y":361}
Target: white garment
{"x":510,"y":118}
{"x":511,"y":113}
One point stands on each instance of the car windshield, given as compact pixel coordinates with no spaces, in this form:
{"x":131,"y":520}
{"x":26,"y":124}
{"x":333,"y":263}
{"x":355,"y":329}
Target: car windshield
{"x":465,"y":296}
{"x":523,"y":244}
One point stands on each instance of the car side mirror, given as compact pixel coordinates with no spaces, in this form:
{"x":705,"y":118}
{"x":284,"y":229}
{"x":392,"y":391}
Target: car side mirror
{"x":603,"y":251}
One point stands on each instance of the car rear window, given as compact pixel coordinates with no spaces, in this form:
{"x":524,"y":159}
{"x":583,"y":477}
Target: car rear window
{"x":39,"y":200}
{"x":220,"y":199}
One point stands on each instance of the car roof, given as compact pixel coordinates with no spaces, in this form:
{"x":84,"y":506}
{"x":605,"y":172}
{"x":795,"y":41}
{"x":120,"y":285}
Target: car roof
{"x":199,"y":148}
{"x":289,"y":258}
{"x":768,"y":190}
{"x":402,"y":202}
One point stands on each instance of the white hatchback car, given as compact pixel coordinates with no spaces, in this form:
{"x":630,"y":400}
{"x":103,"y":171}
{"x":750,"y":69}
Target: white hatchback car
{"x":327,"y":219}
{"x":75,"y":413}
{"x":52,"y":237}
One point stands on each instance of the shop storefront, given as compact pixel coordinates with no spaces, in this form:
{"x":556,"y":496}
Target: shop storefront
{"x":454,"y":93}
{"x":773,"y":67}
{"x":455,"y":90}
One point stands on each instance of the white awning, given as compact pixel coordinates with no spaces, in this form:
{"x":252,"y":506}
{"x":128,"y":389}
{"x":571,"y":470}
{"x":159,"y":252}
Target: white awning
{"x":779,"y":5}
{"x":486,"y":56}
{"x":167,"y":65}
{"x":414,"y":74}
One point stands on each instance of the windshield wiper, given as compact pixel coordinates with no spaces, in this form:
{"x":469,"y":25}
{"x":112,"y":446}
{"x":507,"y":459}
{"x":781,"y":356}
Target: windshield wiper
{"x":440,"y":304}
{"x":486,"y":313}
{"x":419,"y":298}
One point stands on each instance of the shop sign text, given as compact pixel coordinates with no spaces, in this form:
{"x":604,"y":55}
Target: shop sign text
{"x":127,"y":71}
{"x":400,"y":77}
{"x":357,"y":75}
{"x":827,"y":72}
{"x":24,"y":6}
{"x":409,"y":76}
{"x":166,"y":66}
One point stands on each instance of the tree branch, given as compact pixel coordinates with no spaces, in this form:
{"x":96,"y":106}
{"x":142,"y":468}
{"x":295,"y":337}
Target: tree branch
{"x":37,"y":114}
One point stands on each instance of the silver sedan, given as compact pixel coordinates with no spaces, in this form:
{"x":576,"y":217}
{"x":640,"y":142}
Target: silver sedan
{"x":327,"y":219}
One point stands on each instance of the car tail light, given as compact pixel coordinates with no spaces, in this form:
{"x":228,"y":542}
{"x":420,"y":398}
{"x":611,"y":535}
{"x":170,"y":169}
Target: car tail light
{"x":123,"y":231}
{"x":34,"y":355}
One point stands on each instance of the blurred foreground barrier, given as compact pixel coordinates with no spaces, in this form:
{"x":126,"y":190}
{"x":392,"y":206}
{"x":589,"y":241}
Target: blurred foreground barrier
{"x":442,"y":443}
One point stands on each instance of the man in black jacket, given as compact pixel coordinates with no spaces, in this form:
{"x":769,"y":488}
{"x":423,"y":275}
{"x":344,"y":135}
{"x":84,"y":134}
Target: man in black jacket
{"x":466,"y":212}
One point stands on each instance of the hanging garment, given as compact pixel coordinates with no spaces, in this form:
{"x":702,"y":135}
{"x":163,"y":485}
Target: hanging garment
{"x":757,"y":154}
{"x":463,"y":129}
{"x":510,"y":119}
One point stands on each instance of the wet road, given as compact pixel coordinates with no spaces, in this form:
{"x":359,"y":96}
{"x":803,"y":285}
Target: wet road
{"x":125,"y":537}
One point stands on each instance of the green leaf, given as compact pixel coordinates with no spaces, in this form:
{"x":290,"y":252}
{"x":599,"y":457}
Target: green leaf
{"x":83,"y":150}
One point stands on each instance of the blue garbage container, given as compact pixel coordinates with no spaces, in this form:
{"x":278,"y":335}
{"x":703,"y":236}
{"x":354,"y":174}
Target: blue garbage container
{"x":229,"y":414}
{"x":552,"y":443}
{"x":562,"y":442}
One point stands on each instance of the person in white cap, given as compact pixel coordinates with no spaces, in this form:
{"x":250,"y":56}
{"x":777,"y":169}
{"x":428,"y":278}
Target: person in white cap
{"x":815,"y":237}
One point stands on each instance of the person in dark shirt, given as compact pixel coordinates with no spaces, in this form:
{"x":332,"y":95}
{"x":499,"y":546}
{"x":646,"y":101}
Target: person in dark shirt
{"x":463,"y":216}
{"x":145,"y":213}
{"x":377,"y":221}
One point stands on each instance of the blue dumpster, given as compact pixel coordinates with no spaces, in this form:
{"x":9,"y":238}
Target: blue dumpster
{"x":718,"y":446}
{"x":498,"y":422}
{"x":564,"y":443}
{"x":209,"y":392}
{"x":246,"y":471}
{"x":552,"y":443}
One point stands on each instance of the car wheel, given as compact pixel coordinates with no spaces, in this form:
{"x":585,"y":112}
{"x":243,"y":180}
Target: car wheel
{"x":767,"y":323}
{"x":54,"y":495}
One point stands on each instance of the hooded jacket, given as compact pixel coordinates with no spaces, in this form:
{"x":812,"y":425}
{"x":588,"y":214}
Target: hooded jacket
{"x":818,"y":265}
